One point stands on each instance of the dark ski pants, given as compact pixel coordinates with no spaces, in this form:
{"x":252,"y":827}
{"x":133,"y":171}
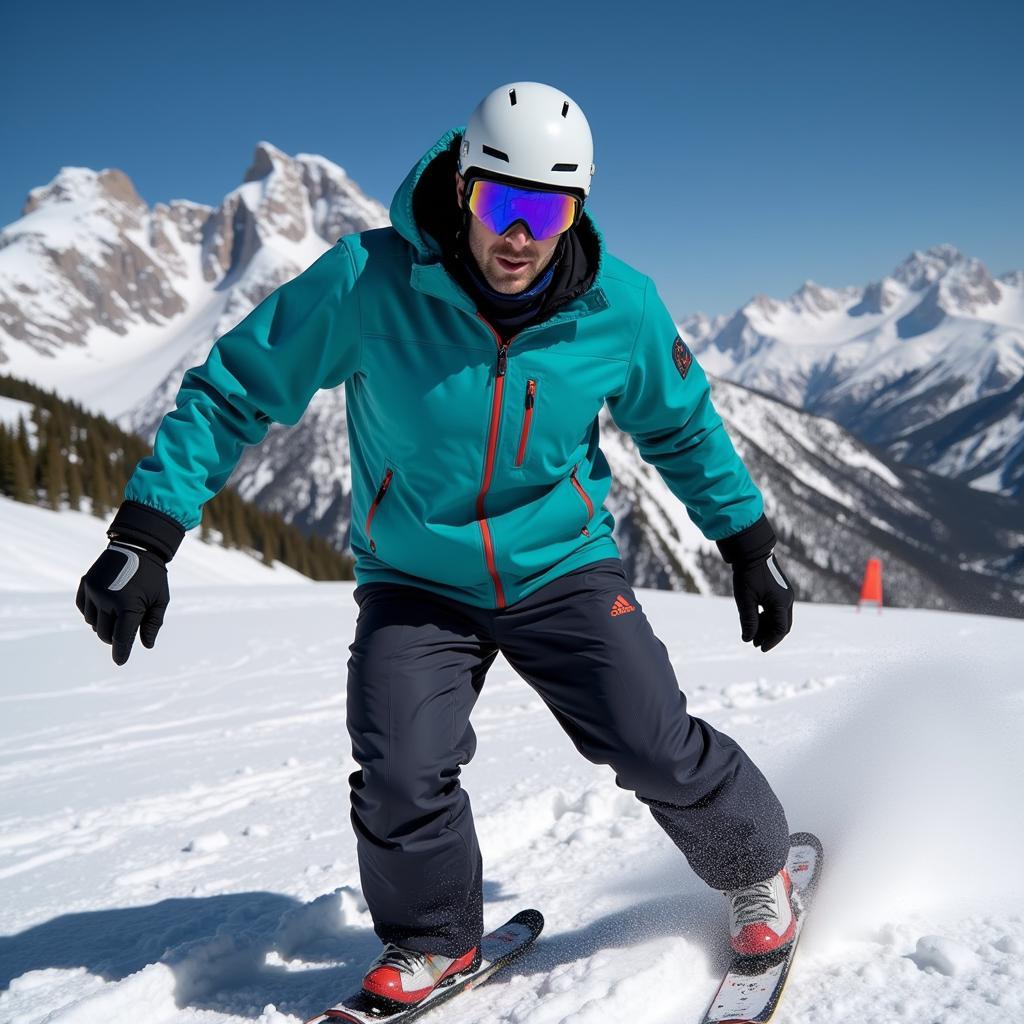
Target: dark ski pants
{"x":417,"y":665}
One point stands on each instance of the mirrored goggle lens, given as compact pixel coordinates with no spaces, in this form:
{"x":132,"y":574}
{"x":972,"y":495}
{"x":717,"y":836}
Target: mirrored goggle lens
{"x":499,"y":206}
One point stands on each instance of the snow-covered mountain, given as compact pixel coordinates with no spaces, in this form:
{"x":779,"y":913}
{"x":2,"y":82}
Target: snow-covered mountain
{"x":835,"y":502}
{"x":108,"y":301}
{"x":927,"y":362}
{"x":140,"y":294}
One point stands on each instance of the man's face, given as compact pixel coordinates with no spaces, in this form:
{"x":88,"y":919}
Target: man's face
{"x":510,"y":262}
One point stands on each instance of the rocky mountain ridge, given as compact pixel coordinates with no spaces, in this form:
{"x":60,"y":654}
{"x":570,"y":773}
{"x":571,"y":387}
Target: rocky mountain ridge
{"x":129,"y":297}
{"x":926,"y":362}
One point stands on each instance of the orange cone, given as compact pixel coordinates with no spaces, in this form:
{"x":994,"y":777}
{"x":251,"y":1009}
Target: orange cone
{"x":871,"y":588}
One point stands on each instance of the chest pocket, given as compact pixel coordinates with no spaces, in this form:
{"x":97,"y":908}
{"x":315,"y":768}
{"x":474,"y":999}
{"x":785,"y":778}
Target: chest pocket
{"x":527,"y":412}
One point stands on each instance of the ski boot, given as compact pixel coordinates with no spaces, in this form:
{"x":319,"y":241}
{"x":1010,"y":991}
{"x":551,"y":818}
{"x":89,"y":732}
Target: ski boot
{"x":762,"y":916}
{"x":407,"y":976}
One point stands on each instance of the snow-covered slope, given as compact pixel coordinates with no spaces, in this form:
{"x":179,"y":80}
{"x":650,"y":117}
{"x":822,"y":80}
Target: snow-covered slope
{"x":175,"y":841}
{"x":44,"y":550}
{"x":928,"y":361}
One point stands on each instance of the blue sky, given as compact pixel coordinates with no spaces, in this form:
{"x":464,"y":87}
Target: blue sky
{"x":740,"y":147}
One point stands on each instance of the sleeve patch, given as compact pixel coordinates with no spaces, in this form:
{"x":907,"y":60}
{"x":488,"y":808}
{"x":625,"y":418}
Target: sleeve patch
{"x":681,"y":357}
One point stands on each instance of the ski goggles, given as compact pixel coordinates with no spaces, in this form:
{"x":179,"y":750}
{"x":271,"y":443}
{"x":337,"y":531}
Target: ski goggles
{"x":500,"y":205}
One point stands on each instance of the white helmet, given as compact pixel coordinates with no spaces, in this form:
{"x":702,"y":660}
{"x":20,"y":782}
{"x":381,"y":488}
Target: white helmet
{"x":532,"y":132}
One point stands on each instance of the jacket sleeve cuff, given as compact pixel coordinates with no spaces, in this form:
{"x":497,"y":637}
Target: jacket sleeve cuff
{"x":749,"y":545}
{"x":147,"y":526}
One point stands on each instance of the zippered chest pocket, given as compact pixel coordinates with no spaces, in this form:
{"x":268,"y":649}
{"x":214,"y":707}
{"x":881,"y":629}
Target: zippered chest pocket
{"x":528,"y":406}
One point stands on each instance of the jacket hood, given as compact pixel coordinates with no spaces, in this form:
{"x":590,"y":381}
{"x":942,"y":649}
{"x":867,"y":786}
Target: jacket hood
{"x":424,"y":210}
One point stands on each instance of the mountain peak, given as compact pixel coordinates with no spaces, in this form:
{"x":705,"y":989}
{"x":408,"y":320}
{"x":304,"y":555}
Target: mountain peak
{"x":877,"y":297}
{"x":763,"y":305}
{"x":811,"y":297}
{"x":969,"y":286}
{"x":266,"y":158}
{"x":695,"y":327}
{"x":86,"y":186}
{"x":922,"y":269}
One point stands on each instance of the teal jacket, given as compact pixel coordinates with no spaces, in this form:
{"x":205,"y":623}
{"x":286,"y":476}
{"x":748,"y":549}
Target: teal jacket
{"x":476,"y":466}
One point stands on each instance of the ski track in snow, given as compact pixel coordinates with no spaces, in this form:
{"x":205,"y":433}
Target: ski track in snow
{"x":174,"y":835}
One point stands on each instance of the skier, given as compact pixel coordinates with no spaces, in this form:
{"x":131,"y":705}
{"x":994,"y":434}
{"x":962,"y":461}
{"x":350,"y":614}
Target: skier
{"x":478,"y":338}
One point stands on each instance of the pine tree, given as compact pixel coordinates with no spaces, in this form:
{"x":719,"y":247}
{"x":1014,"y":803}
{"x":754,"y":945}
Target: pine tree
{"x":22,"y":476}
{"x":305,"y":565}
{"x":28,"y":460}
{"x":74,"y":486}
{"x":54,"y":470}
{"x":23,"y":437}
{"x":239,"y":527}
{"x":42,"y":455}
{"x":6,"y":462}
{"x":319,"y":558}
{"x":268,"y":544}
{"x":289,"y":549}
{"x":100,"y":479}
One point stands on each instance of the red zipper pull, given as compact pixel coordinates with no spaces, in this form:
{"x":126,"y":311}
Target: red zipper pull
{"x":583,"y":494}
{"x":381,"y":491}
{"x":531,"y":390}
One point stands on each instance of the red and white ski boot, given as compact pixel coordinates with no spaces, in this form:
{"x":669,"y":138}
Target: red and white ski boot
{"x":407,"y":976}
{"x":762,"y":917}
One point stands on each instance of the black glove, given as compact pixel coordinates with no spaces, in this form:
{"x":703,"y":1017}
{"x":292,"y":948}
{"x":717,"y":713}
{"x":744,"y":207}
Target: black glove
{"x":757,"y":579}
{"x":125,"y":590}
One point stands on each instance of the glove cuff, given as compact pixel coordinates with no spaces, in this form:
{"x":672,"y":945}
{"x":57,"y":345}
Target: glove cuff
{"x":145,"y":525}
{"x":750,"y":545}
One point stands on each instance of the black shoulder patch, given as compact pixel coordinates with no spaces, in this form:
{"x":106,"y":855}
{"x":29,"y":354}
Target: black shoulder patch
{"x":681,"y":357}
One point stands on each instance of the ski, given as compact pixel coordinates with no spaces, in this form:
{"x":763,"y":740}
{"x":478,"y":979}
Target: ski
{"x":498,"y":949}
{"x":752,"y":986}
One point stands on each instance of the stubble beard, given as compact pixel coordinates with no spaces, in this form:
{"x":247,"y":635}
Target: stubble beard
{"x":501,"y":280}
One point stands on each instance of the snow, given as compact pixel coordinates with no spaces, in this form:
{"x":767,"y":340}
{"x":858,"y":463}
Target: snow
{"x":44,"y":550}
{"x":1009,"y":310}
{"x":944,"y":955}
{"x":66,"y":218}
{"x":853,"y":456}
{"x":992,"y":481}
{"x":108,"y":376}
{"x":13,"y":409}
{"x":174,"y":834}
{"x":324,"y":165}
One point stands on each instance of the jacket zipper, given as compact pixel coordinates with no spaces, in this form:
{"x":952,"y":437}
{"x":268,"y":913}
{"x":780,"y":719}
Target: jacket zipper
{"x":586,"y":497}
{"x":531,"y":391}
{"x":381,"y":491}
{"x":492,"y":443}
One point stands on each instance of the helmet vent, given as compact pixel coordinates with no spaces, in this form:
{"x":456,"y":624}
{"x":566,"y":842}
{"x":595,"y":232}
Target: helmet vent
{"x":565,"y":108}
{"x":496,"y":153}
{"x":565,"y":167}
{"x":512,"y":96}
